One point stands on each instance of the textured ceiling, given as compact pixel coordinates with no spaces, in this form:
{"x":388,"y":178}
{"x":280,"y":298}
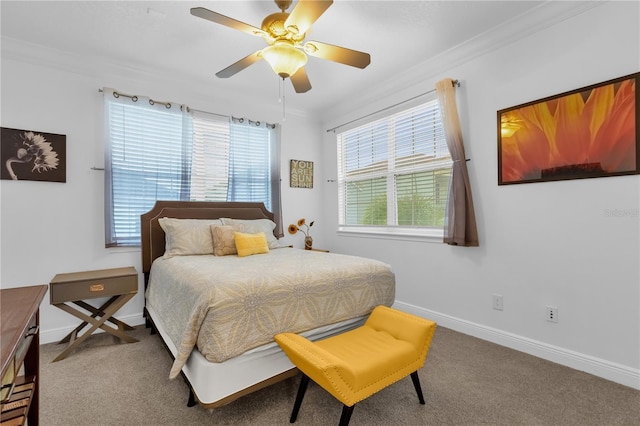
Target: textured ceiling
{"x":164,"y":37}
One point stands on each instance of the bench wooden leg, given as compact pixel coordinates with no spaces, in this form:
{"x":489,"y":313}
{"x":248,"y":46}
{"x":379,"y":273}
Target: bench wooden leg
{"x":304,"y":382}
{"x":192,"y":399}
{"x":416,"y":384}
{"x":346,"y":414}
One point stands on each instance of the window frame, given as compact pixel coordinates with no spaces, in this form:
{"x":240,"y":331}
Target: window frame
{"x":399,"y":232}
{"x":184,"y":188}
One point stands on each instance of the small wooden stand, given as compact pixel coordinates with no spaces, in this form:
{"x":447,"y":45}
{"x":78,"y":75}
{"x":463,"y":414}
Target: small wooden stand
{"x":120,"y":284}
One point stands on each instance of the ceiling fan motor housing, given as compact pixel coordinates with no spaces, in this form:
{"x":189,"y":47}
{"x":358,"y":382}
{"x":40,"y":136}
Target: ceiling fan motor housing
{"x":274,"y":26}
{"x":283,"y":4}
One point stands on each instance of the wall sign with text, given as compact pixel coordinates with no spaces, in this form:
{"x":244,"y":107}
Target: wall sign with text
{"x":301,"y":174}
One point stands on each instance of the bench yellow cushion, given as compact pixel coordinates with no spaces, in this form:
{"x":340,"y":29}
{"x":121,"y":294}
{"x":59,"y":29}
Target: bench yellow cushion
{"x":358,"y":363}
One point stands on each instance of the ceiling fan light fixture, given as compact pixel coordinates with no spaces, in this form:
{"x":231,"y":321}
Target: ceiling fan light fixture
{"x":284,"y":59}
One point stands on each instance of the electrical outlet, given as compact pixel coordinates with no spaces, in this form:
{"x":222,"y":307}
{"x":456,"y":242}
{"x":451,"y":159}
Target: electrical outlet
{"x":497,"y":302}
{"x":552,"y":314}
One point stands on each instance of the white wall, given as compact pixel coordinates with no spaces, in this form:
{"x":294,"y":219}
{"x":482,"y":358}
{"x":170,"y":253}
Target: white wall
{"x":540,"y":244}
{"x":543,"y":243}
{"x":50,"y":228}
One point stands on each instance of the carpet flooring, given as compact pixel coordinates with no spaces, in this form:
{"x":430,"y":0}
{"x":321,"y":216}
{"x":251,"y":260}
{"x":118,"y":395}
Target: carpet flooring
{"x":466,"y":381}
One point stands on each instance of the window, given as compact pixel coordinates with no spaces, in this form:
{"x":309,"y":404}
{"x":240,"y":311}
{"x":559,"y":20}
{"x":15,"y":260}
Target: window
{"x":158,"y":151}
{"x":393,"y":174}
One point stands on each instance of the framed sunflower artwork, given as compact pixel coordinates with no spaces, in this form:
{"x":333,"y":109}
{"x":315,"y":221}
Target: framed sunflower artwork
{"x":585,"y":133}
{"x":32,"y":155}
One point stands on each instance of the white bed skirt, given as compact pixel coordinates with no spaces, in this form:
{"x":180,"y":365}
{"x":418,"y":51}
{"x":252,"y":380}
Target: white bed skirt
{"x":212,"y":382}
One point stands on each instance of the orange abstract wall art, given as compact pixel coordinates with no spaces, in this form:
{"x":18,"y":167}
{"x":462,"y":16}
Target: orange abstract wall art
{"x":588,"y":132}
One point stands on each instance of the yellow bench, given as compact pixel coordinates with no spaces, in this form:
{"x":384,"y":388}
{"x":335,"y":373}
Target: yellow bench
{"x":354,"y":365}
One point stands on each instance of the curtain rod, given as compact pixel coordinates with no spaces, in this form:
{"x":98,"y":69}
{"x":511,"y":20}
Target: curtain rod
{"x":134,"y":98}
{"x":333,"y":129}
{"x":168,"y":105}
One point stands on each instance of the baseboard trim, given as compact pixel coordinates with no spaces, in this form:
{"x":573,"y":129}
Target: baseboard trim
{"x":598,"y":367}
{"x":57,"y":334}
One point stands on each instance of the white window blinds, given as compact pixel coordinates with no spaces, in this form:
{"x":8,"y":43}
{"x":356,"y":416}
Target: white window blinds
{"x":250,"y":163}
{"x":156,"y":151}
{"x":394,"y":172}
{"x":210,"y":164}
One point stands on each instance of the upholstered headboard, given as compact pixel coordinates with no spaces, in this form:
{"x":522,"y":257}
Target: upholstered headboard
{"x":152,"y":235}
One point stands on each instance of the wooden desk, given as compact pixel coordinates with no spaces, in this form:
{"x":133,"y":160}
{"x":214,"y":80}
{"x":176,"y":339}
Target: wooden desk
{"x":120,"y":284}
{"x":20,"y":348}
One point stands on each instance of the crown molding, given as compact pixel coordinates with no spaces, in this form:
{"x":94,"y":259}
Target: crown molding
{"x":418,"y":77}
{"x":105,"y":69}
{"x":545,"y":15}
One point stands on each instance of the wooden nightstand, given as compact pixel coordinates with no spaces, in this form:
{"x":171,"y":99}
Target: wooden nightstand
{"x":119,"y":284}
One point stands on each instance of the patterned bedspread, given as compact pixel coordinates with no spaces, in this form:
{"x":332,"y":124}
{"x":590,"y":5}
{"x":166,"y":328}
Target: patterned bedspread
{"x":227,"y":305}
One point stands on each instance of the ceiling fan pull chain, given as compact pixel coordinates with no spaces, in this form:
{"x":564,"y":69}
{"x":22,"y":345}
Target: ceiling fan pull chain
{"x":282,"y":90}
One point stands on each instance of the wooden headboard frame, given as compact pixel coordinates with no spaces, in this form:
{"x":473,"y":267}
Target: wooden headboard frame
{"x":152,"y":235}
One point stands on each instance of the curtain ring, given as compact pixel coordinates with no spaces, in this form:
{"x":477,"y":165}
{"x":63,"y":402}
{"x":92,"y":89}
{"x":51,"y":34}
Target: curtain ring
{"x":134,"y":98}
{"x":116,"y":95}
{"x":258,"y":123}
{"x":151,"y":102}
{"x":241,"y":120}
{"x":168,"y":105}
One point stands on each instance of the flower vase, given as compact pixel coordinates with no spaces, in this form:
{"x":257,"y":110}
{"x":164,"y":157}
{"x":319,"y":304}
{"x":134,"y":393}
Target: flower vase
{"x":308,"y":242}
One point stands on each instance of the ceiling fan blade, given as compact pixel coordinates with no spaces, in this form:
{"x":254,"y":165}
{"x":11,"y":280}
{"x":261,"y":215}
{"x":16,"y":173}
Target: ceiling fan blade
{"x":209,"y":15}
{"x":305,"y":14}
{"x":240,"y":65}
{"x":300,"y":81}
{"x":339,"y":54}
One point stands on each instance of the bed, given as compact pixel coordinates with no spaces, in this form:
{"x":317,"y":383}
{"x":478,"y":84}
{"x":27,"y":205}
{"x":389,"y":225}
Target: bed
{"x":217,"y":310}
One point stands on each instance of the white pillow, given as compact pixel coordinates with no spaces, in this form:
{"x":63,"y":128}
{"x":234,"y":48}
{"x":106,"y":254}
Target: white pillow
{"x":187,"y":236}
{"x":253,"y":226}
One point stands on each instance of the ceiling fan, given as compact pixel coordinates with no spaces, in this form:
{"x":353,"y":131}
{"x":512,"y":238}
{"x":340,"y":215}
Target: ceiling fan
{"x":284,"y":33}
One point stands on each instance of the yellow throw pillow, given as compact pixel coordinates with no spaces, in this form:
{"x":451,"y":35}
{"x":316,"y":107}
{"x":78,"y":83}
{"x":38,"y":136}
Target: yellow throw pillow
{"x":248,"y":244}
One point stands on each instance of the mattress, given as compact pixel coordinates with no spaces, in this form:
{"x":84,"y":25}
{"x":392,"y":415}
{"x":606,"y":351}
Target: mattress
{"x":215,"y":382}
{"x":227,"y":305}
